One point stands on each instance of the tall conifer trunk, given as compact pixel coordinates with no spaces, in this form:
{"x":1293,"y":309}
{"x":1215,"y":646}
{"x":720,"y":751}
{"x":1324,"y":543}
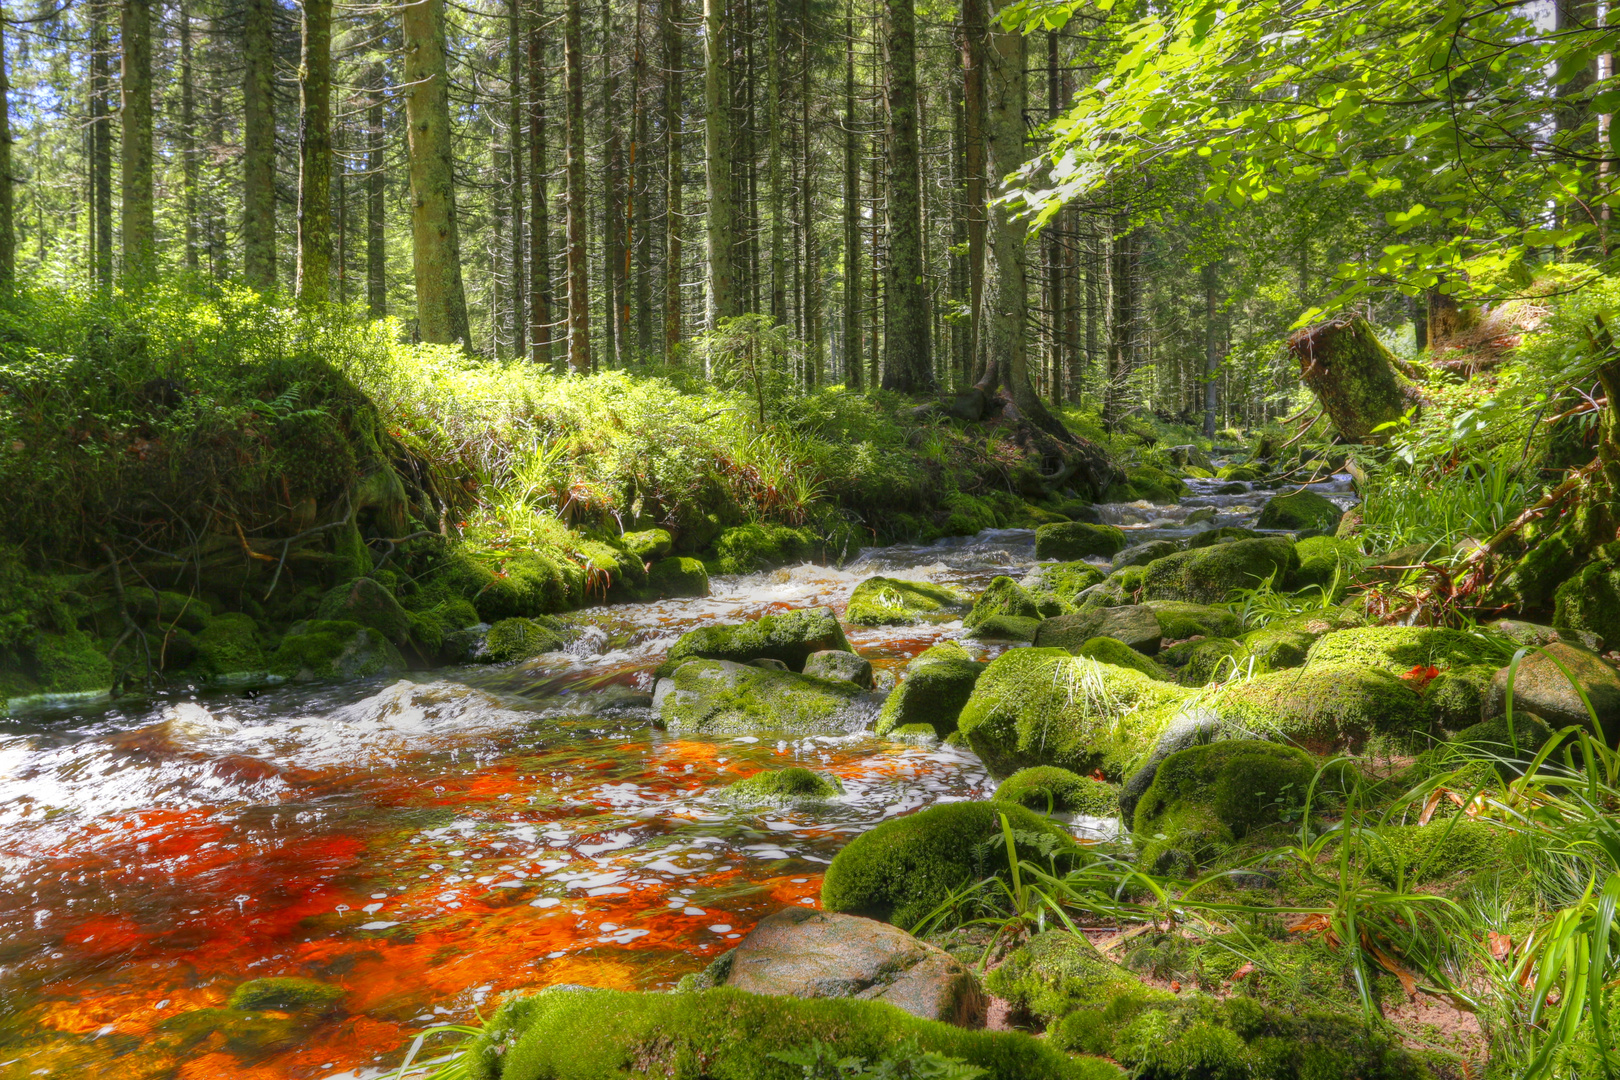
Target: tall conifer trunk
{"x":441,"y":301}
{"x":579,"y":273}
{"x":259,"y":145}
{"x":852,"y":212}
{"x":540,"y":294}
{"x":101,"y":148}
{"x":188,"y":139}
{"x":313,"y":279}
{"x":674,"y":57}
{"x":139,"y":220}
{"x":974,"y":30}
{"x":376,"y":232}
{"x":908,"y":353}
{"x":721,"y":226}
{"x":773,"y":136}
{"x":515,"y":122}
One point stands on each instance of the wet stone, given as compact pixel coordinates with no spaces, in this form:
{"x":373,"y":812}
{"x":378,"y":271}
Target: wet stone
{"x":845,"y":666}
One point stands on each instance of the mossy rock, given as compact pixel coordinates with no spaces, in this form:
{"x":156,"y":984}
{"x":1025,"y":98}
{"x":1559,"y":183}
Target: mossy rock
{"x":1223,"y":535}
{"x":1456,"y":697}
{"x":936,"y":686}
{"x":1205,"y":798}
{"x":723,"y":697}
{"x":1047,"y":788}
{"x":334,"y":650}
{"x":904,"y":868}
{"x":528,"y":583}
{"x":677,"y":576}
{"x":1006,"y":628}
{"x":575,"y":1033}
{"x":1145,"y":482}
{"x":1300,"y":512}
{"x":520,"y":639}
{"x":967,"y":515}
{"x":1503,"y":749}
{"x":369,"y":603}
{"x":1136,"y":626}
{"x":1072,"y":540}
{"x":1114,"y":651}
{"x":1142,"y":554}
{"x":1056,"y":973}
{"x":1328,"y":563}
{"x":1210,"y":575}
{"x":230,"y":645}
{"x":1398,"y":649}
{"x":1003,"y":596}
{"x":789,"y":637}
{"x":70,"y":663}
{"x":1328,"y":708}
{"x":286,"y":994}
{"x":744,"y":549}
{"x":243,"y":1033}
{"x":649,"y":545}
{"x":1195,"y":663}
{"x":1285,"y":643}
{"x":1238,"y":473}
{"x":884,"y":601}
{"x":164,"y":609}
{"x":1179,"y":620}
{"x":1064,"y":581}
{"x":1419,"y":854}
{"x":1589,"y":600}
{"x":784,"y":786}
{"x":1541,"y":686}
{"x":1045,"y":707}
{"x":840,"y":666}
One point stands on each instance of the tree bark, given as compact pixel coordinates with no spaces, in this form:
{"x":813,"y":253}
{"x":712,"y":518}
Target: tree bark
{"x":811,"y":305}
{"x":637,"y":226}
{"x":1360,"y":383}
{"x":722,"y":215}
{"x":540,"y":335}
{"x":579,"y":280}
{"x":101,"y":148}
{"x":773,"y":153}
{"x":139,"y":222}
{"x":908,"y":353}
{"x":514,"y":124}
{"x":852,"y":213}
{"x":1212,"y":355}
{"x":674,"y":58}
{"x":313,"y":278}
{"x":376,"y":231}
{"x":259,"y":145}
{"x":8,"y":231}
{"x":612,"y":196}
{"x":188,"y":139}
{"x":1122,"y":320}
{"x":974,"y":31}
{"x":441,"y":301}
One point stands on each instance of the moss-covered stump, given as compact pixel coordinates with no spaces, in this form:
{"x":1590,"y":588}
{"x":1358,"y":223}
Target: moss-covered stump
{"x":1406,"y":855}
{"x":1399,"y":649}
{"x":1358,"y":381}
{"x":677,"y":576}
{"x":1300,"y":512}
{"x":1136,"y":626}
{"x":789,"y":637}
{"x":725,"y":1034}
{"x":230,"y":645}
{"x":780,"y":787}
{"x":1205,"y":798}
{"x":1194,"y":1037}
{"x":1006,"y":628}
{"x":1047,"y":788}
{"x":1063,"y":581}
{"x":884,"y":601}
{"x":904,"y":868}
{"x":724,"y":697}
{"x":747,"y":548}
{"x":1113,"y":651}
{"x":1045,"y":707}
{"x":936,"y":685}
{"x":1179,"y":620}
{"x":1142,"y":554}
{"x":1072,"y":540}
{"x":842,"y":666}
{"x":649,"y":545}
{"x":334,"y":650}
{"x":1056,"y":973}
{"x":1210,"y":575}
{"x":520,"y":639}
{"x":1540,"y":686}
{"x":1328,"y":708}
{"x":1003,"y":596}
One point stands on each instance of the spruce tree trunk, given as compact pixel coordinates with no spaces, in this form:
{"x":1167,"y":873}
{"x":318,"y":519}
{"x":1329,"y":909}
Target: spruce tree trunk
{"x":908,"y":352}
{"x":101,"y":148}
{"x":612,"y":198}
{"x":1212,"y":355}
{"x":376,"y":232}
{"x":773,"y":152}
{"x":674,"y":58}
{"x":974,"y":33}
{"x":259,"y":145}
{"x":579,"y":273}
{"x":852,"y":213}
{"x":139,"y":222}
{"x":188,"y":139}
{"x":638,"y":226}
{"x":815,"y":360}
{"x":313,"y":279}
{"x":514,"y":124}
{"x":1122,"y":320}
{"x":540,"y":335}
{"x":8,"y":232}
{"x":1359,"y":382}
{"x":441,"y":301}
{"x":721,"y":225}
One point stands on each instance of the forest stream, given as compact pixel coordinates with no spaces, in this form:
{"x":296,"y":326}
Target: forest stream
{"x":431,"y":843}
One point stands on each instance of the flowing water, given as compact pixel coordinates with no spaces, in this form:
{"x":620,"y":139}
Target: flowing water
{"x":430,"y":843}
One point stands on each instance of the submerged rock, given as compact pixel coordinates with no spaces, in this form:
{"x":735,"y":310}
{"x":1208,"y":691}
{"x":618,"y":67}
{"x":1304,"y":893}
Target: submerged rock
{"x":885,"y":601}
{"x":936,"y":685}
{"x":803,"y":953}
{"x":724,"y":697}
{"x":783,"y":786}
{"x":789,"y":637}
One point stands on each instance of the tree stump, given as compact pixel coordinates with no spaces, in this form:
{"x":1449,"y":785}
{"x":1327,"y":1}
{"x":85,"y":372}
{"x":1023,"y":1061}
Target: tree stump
{"x":1360,"y":383}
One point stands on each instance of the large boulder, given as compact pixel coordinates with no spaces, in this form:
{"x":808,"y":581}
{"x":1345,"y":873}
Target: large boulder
{"x":884,"y":601}
{"x":1142,"y":554}
{"x":649,"y":545}
{"x":1203,"y":660}
{"x":1179,"y":620}
{"x":1136,"y":626}
{"x":802,"y":953}
{"x":904,"y":868}
{"x":1210,"y":575}
{"x":744,"y":549}
{"x":1062,"y":581}
{"x":322,"y":649}
{"x":1070,"y":540}
{"x":519,"y":639}
{"x":1328,"y":708}
{"x":1049,"y":789}
{"x":1006,"y":628}
{"x":723,"y":697}
{"x":789,"y":637}
{"x":1540,"y":687}
{"x":1193,"y":726}
{"x":1328,"y":563}
{"x":230,"y":645}
{"x":1399,"y":649}
{"x":839,"y":665}
{"x":1300,"y":512}
{"x":1285,"y":643}
{"x":1045,"y":707}
{"x":936,"y":685}
{"x":1003,"y":596}
{"x":677,"y":576}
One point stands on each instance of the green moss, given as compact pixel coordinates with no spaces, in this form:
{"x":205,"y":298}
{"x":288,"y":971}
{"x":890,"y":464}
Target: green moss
{"x":1064,"y":580}
{"x":1146,"y":482}
{"x":1456,"y":697}
{"x":1003,"y":596}
{"x":968,"y":514}
{"x":334,"y":650}
{"x":286,"y":994}
{"x":1237,"y":472}
{"x":353,"y":557}
{"x":1195,"y":663}
{"x":789,"y":637}
{"x":1178,"y":620}
{"x":1210,"y":575}
{"x":902,"y":869}
{"x":937,"y":684}
{"x":527,"y":584}
{"x":1056,"y":973}
{"x":1285,"y":643}
{"x":368,"y":603}
{"x":1123,"y":586}
{"x":1072,"y":540}
{"x":70,"y":663}
{"x":780,"y":786}
{"x":1398,"y":649}
{"x":677,"y":575}
{"x":1047,"y":788}
{"x":744,"y":549}
{"x":725,"y":1034}
{"x":1006,"y":628}
{"x":1589,"y":600}
{"x":1417,"y":854}
{"x":723,"y":697}
{"x":883,"y":601}
{"x":1300,"y":511}
{"x":1144,"y":553}
{"x":1329,"y":707}
{"x":1113,"y":651}
{"x":229,"y":645}
{"x":1046,"y":707}
{"x":243,"y":1033}
{"x":649,"y":545}
{"x":1328,"y":563}
{"x":1206,"y":797}
{"x":1224,"y":534}
{"x":520,"y":639}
